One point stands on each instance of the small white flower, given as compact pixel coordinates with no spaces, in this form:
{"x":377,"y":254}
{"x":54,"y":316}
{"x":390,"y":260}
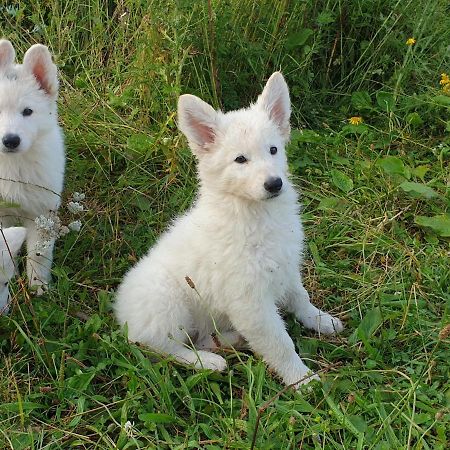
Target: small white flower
{"x":128,"y":427}
{"x":63,"y":231}
{"x":75,"y":207}
{"x":78,"y":196}
{"x":75,"y":225}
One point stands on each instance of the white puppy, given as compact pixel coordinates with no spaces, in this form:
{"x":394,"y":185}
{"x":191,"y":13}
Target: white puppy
{"x":31,"y":149}
{"x":240,"y":244}
{"x":11,"y":239}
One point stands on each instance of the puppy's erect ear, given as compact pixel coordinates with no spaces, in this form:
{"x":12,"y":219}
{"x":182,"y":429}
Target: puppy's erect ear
{"x":14,"y":238}
{"x":7,"y":53}
{"x":38,"y":61}
{"x":198,"y":122}
{"x":275,"y":100}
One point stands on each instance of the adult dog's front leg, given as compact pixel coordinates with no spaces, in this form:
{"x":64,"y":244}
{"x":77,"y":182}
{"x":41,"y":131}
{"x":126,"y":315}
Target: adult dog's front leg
{"x":263,"y":328}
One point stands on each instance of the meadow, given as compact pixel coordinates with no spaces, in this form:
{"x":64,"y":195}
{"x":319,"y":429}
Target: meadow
{"x":370,"y":152}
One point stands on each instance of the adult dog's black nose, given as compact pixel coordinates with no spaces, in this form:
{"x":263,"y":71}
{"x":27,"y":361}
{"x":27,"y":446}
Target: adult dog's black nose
{"x":273,"y":185}
{"x":11,"y":141}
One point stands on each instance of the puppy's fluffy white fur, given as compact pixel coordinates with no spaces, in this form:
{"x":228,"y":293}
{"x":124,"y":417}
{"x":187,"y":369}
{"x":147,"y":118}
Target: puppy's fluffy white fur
{"x":240,"y":244}
{"x":32,"y":173}
{"x":11,"y":239}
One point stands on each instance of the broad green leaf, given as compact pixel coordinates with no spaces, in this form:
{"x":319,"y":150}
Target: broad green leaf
{"x":308,"y":136}
{"x":80,"y":381}
{"x":157,"y":418}
{"x":341,"y":180}
{"x":359,"y":423}
{"x":393,"y":166}
{"x":443,"y":100}
{"x":420,"y":171}
{"x":418,"y":190}
{"x":354,"y":129}
{"x":314,"y":252}
{"x":325,"y":18}
{"x":140,"y":143}
{"x":367,"y":327}
{"x":327,"y":203}
{"x":385,"y":101}
{"x":298,"y":39}
{"x":414,"y":119}
{"x":23,"y":406}
{"x":361,"y":100}
{"x":440,"y":224}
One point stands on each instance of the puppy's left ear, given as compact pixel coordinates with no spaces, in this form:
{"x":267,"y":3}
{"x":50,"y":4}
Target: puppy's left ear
{"x":7,"y":53}
{"x":275,"y":100}
{"x":38,"y":61}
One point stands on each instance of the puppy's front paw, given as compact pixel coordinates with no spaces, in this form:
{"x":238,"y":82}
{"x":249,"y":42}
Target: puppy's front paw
{"x":329,"y":325}
{"x":209,"y":360}
{"x":301,"y":375}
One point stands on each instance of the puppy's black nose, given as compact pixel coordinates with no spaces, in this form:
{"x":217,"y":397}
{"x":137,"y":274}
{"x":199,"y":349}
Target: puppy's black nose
{"x":273,"y":185}
{"x":11,"y":141}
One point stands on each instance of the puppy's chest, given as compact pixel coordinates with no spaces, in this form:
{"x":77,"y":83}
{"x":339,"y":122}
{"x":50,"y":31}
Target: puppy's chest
{"x":26,"y":190}
{"x":265,"y":252}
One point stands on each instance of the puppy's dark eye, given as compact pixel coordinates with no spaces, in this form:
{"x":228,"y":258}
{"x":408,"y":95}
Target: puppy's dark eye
{"x":273,"y":150}
{"x":241,"y":159}
{"x":27,"y":112}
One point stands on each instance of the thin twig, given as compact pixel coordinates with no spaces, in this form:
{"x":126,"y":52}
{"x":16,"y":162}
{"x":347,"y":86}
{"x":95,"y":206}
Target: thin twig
{"x":263,"y":408}
{"x":31,"y":184}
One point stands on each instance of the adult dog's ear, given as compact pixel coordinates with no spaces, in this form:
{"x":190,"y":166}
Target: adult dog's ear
{"x":38,"y":62}
{"x":198,"y":122}
{"x":275,"y":100}
{"x":7,"y":53}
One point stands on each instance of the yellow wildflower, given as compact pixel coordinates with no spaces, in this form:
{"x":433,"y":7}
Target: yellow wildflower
{"x":410,"y":41}
{"x":444,"y":79}
{"x":355,"y":120}
{"x":445,"y":83}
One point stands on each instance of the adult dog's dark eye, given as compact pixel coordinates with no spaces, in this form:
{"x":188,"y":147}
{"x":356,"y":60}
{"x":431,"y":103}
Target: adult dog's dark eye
{"x":241,"y":159}
{"x":27,"y":112}
{"x":273,"y":150}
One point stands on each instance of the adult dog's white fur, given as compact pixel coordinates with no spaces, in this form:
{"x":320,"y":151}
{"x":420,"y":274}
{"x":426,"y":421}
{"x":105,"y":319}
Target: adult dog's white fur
{"x":11,"y":239}
{"x":239,"y":244}
{"x":31,"y":174}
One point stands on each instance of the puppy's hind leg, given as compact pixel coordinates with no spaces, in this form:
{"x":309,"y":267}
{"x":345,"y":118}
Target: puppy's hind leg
{"x":158,"y":317}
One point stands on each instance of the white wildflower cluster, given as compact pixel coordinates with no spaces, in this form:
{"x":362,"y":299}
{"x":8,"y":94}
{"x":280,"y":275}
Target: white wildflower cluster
{"x":50,"y":226}
{"x":75,"y":207}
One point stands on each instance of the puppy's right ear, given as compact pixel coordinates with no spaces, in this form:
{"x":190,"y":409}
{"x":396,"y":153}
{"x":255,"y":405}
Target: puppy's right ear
{"x":198,"y":122}
{"x":7,"y":53}
{"x":38,"y":62}
{"x":14,"y":237}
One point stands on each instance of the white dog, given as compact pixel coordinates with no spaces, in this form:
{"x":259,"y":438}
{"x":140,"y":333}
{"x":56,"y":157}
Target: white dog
{"x":11,"y":239}
{"x":31,"y":150}
{"x":240,"y":246}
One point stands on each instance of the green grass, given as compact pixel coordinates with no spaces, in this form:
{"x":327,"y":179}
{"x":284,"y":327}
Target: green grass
{"x":69,"y":378}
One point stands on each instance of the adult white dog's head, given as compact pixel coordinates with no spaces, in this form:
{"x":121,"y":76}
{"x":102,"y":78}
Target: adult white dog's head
{"x":11,"y":239}
{"x":241,"y":152}
{"x":28,"y":95}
